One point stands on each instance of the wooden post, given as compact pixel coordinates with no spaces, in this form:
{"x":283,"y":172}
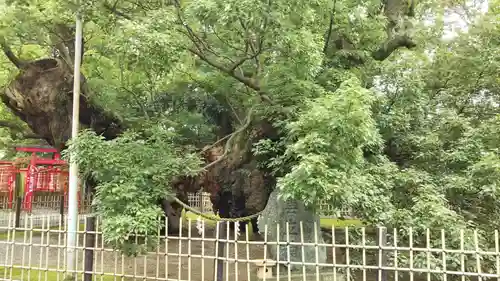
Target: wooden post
{"x":382,"y":255}
{"x":19,"y":199}
{"x":90,"y":230}
{"x":219,"y":257}
{"x":90,"y":238}
{"x":61,"y":206}
{"x":202,"y":202}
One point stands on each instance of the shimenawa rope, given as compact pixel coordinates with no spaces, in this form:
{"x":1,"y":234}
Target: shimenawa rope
{"x":214,"y":218}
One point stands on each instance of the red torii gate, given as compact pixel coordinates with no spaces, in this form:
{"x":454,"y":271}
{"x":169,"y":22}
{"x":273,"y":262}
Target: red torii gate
{"x":42,"y":174}
{"x":7,"y":180}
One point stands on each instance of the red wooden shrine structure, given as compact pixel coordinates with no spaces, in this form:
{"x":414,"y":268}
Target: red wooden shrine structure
{"x":42,"y":174}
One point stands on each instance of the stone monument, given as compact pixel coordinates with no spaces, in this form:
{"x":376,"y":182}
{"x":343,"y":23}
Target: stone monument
{"x":279,"y":211}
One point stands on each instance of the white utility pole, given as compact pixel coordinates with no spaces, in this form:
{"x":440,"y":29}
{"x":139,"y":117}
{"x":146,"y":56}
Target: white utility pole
{"x":73,"y":167}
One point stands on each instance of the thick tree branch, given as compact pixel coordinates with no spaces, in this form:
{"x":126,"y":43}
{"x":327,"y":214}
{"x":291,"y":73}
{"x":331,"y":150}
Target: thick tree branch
{"x":398,"y":13}
{"x":249,"y":82}
{"x":330,"y":27}
{"x":116,"y":12}
{"x":200,"y":46}
{"x":440,"y":88}
{"x":18,"y":129}
{"x":28,"y":135}
{"x":227,"y":147}
{"x":10,"y":54}
{"x":11,"y":125}
{"x":229,"y":44}
{"x":243,"y":60}
{"x":250,"y":38}
{"x":399,"y":26}
{"x":391,"y":45}
{"x":381,"y":53}
{"x":63,"y":39}
{"x":245,"y":80}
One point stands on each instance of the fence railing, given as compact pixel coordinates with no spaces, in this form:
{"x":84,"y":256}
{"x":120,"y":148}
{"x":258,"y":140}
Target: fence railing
{"x":206,"y":252}
{"x":201,"y":202}
{"x":46,"y":201}
{"x":43,"y":203}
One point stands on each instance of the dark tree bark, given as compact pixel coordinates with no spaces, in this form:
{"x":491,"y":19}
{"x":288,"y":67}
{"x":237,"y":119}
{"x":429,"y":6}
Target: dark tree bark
{"x":41,"y":96}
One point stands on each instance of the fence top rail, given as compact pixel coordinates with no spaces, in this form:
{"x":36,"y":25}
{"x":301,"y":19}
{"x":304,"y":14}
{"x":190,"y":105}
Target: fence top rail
{"x":36,"y":148}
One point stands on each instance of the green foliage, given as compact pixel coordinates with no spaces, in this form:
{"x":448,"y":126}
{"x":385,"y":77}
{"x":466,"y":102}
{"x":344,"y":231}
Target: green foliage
{"x":411,"y":141}
{"x":329,"y":138}
{"x":133,"y":173}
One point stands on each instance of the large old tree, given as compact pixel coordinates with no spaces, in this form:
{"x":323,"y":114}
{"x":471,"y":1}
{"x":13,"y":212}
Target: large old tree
{"x":359,"y":103}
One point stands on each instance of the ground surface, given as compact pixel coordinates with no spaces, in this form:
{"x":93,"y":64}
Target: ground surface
{"x":175,"y":259}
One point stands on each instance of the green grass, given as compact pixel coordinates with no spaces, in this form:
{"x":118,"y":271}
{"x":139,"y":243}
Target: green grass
{"x":193,"y":217}
{"x":329,"y":222}
{"x":50,"y":275}
{"x":325,"y":223}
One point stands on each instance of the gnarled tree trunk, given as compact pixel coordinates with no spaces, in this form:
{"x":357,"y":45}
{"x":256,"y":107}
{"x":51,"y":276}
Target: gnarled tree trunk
{"x":41,"y":96}
{"x":238,"y":187}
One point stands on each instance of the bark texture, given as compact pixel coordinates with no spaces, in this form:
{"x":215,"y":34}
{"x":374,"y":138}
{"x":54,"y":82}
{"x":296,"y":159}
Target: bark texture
{"x":41,"y":96}
{"x":237,"y":186}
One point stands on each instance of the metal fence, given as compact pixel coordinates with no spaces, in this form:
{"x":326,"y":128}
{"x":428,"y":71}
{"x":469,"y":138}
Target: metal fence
{"x":196,"y":254}
{"x":46,"y":201}
{"x":54,"y":203}
{"x":201,"y":202}
{"x":43,"y":206}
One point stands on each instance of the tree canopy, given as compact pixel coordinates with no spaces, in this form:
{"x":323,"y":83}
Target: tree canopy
{"x":370,"y":105}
